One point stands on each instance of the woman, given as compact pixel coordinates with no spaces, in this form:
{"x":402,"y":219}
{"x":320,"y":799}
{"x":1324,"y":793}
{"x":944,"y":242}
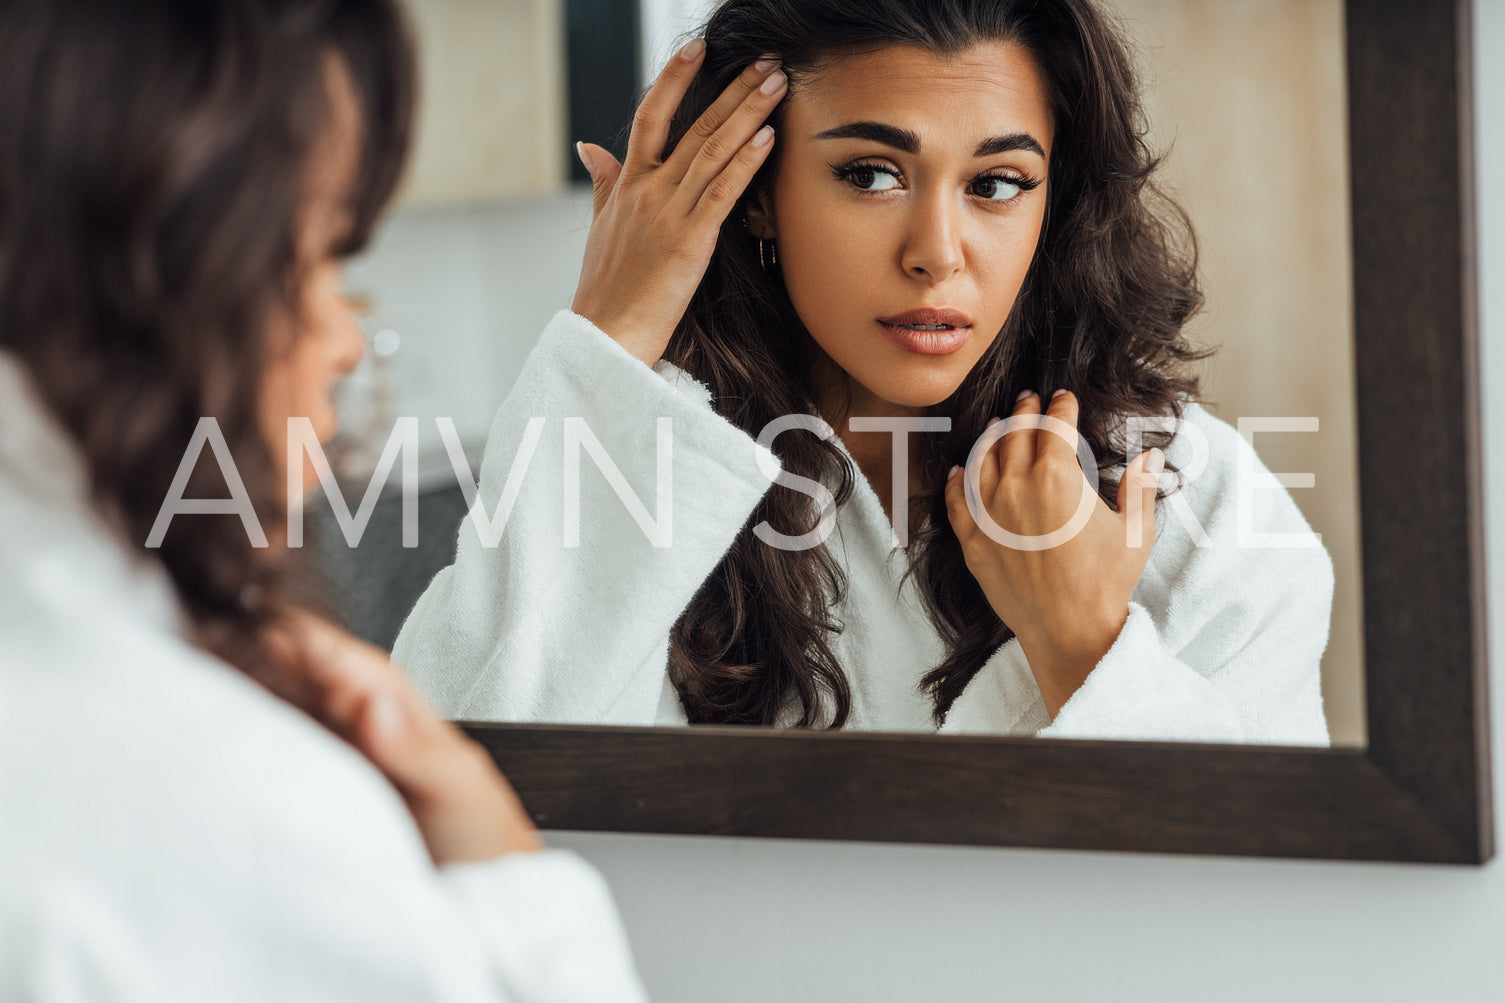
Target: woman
{"x":956,"y":218}
{"x":178,"y":186}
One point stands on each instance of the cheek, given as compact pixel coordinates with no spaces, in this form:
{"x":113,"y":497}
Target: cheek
{"x":295,"y":386}
{"x":326,"y":343}
{"x":275,"y":407}
{"x":840,"y":263}
{"x":313,"y":375}
{"x":1002,"y":258}
{"x":837,"y":263}
{"x":329,"y":345}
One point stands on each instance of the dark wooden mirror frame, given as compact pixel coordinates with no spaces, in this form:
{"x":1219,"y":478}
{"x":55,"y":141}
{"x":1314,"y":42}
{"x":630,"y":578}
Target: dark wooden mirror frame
{"x":1420,"y":791}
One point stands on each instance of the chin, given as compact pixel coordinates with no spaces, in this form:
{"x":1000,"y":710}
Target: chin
{"x":916,"y":390}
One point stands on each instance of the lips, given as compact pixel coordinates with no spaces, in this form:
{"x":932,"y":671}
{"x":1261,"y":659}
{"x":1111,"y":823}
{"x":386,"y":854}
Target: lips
{"x":928,"y":318}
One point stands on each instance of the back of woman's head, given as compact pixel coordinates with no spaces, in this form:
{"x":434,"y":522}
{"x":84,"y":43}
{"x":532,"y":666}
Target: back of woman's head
{"x":154,"y":157}
{"x":1100,"y":312}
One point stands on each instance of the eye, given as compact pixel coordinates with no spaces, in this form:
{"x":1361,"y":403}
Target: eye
{"x":995,"y":188}
{"x":1001,"y":187}
{"x":868,"y":177}
{"x":871,"y":178}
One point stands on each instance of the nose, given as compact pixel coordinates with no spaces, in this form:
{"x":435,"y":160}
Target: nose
{"x":933,"y":249}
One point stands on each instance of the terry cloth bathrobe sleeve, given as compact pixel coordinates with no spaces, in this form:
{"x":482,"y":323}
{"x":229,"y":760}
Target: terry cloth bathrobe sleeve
{"x":544,"y":622}
{"x":1226,"y":629}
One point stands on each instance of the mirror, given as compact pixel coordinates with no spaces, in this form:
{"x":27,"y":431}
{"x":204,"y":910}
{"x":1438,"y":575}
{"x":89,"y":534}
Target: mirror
{"x":458,"y":292}
{"x":1249,"y":109}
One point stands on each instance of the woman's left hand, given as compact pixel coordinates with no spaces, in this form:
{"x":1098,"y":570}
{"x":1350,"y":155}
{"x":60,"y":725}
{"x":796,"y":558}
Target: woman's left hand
{"x":464,"y":808}
{"x":1067,"y":601}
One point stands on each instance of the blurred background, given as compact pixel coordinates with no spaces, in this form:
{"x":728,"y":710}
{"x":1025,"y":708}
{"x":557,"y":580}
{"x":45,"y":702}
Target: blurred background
{"x":1246,"y":96}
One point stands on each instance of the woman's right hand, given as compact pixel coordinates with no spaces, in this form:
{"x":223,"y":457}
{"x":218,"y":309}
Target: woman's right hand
{"x":655,"y":222}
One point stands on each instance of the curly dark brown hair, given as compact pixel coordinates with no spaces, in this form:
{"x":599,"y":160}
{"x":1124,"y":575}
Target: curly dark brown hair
{"x":1101,"y":311}
{"x":153,"y":160}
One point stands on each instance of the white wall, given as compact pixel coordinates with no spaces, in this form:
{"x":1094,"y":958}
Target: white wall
{"x":667,"y":24}
{"x":721,"y":919}
{"x":468,"y":288}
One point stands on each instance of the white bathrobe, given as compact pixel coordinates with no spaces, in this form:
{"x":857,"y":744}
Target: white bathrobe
{"x":1222,"y":642}
{"x":171,"y":831}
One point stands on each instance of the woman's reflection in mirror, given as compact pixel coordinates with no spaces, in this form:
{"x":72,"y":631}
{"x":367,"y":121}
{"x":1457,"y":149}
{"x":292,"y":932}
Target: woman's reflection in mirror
{"x":877,"y":213}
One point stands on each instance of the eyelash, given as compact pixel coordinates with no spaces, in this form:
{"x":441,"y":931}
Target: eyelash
{"x":846,"y":172}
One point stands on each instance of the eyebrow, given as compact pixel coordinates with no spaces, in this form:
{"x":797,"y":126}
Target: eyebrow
{"x":908,"y":142}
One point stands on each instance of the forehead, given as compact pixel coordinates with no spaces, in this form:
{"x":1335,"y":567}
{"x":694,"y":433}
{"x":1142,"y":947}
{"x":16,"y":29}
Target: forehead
{"x":989,"y":88}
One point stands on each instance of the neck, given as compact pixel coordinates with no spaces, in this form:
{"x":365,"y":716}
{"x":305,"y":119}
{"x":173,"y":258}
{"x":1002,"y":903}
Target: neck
{"x":839,"y":398}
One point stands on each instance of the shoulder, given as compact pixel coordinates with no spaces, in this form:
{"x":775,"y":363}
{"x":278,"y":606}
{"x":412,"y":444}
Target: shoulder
{"x":161,"y":781}
{"x":1214,"y":470}
{"x":167,"y":796}
{"x":1229,"y":536}
{"x":1205,"y":452}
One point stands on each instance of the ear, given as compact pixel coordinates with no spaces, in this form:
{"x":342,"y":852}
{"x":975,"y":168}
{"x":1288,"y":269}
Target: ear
{"x":759,"y":210}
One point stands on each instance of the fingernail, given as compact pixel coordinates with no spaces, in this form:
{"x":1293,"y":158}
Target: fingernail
{"x":691,"y":52}
{"x":1058,"y":393}
{"x":993,"y":421}
{"x":763,"y":137}
{"x":585,"y":157}
{"x":773,"y":83}
{"x":1155,"y":462}
{"x":1023,"y":394}
{"x":765,"y":64}
{"x":953,"y":472}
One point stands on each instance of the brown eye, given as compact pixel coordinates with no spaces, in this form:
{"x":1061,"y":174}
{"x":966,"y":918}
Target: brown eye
{"x":996,"y":189}
{"x":869,"y":177}
{"x":1003,"y":188}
